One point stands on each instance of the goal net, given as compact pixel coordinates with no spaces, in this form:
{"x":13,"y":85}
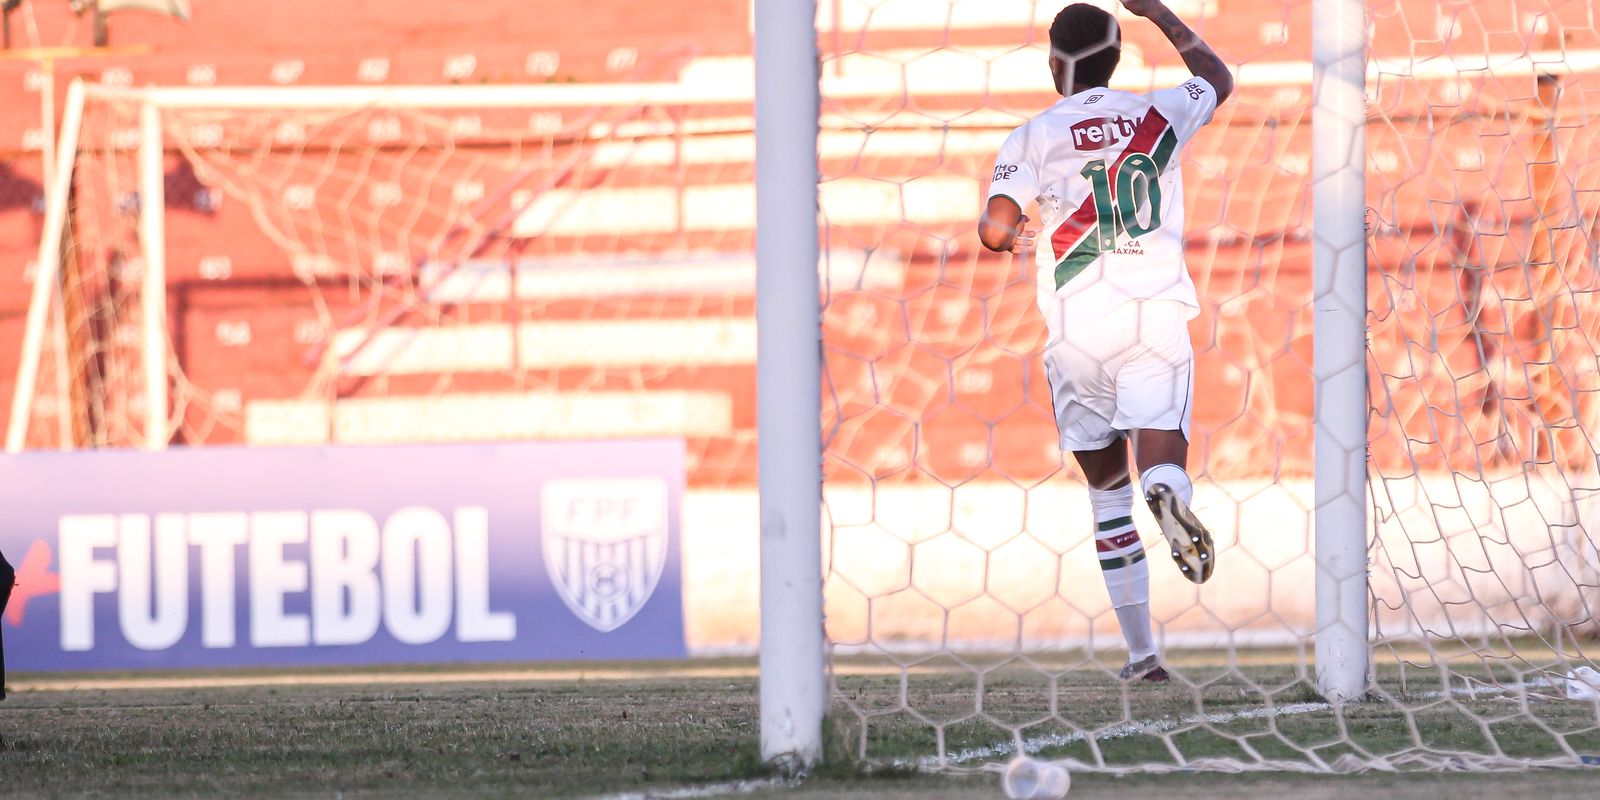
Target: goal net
{"x":962,"y":551}
{"x":391,"y":265}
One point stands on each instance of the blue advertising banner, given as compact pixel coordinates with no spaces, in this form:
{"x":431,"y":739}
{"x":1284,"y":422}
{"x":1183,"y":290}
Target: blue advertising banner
{"x":211,"y":557}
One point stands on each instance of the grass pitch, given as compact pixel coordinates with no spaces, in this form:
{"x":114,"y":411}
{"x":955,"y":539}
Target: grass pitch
{"x":650,"y":730}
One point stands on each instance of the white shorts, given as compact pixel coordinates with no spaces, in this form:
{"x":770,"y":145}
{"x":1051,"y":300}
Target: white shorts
{"x":1132,"y":369}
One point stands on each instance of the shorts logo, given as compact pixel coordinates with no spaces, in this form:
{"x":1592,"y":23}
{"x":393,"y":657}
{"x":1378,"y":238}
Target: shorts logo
{"x":1099,"y":133}
{"x":1004,"y":171}
{"x":605,"y":545}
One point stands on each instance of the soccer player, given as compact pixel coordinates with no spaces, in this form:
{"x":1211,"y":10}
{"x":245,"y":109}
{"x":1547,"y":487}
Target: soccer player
{"x":1102,"y":165}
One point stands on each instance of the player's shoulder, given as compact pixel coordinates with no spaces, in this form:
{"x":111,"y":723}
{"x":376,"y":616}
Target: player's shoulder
{"x":1027,"y":135}
{"x":1194,"y":89}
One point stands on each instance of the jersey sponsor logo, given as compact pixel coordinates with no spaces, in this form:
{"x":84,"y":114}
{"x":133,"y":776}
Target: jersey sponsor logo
{"x":605,"y":545}
{"x":1196,"y":91}
{"x":1099,"y":133}
{"x":1003,"y":172}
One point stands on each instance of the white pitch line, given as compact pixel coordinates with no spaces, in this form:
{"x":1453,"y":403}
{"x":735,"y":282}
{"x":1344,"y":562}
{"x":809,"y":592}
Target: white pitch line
{"x":1032,"y":745}
{"x":708,"y":790}
{"x":1156,"y":727}
{"x":90,"y":683}
{"x":1136,"y":727}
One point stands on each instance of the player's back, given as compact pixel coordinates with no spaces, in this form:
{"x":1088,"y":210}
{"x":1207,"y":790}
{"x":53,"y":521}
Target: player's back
{"x":1103,"y":166}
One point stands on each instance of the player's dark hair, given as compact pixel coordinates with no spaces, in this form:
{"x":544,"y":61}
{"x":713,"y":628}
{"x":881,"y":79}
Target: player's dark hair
{"x":1089,"y":43}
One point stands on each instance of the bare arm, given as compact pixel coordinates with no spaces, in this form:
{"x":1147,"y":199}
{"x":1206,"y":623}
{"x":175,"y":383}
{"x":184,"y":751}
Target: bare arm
{"x":1197,"y":55}
{"x":1001,"y":227}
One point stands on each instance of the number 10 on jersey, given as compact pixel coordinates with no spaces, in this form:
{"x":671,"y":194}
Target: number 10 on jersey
{"x":1136,"y":192}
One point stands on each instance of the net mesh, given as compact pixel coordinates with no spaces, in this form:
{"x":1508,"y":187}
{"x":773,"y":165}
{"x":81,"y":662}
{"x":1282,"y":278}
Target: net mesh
{"x":364,"y":275}
{"x":962,"y":543}
{"x":545,"y":269}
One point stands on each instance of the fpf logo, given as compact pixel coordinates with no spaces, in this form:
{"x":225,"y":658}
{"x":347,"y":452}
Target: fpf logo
{"x":605,"y":545}
{"x":1099,"y":133}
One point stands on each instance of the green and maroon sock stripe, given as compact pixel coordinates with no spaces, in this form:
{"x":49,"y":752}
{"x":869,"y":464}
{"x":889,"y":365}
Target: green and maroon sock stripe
{"x":1115,"y":524}
{"x":1121,"y":547}
{"x":1118,"y":562}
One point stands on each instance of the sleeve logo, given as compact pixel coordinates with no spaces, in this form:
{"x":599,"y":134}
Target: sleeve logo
{"x":1196,"y":91}
{"x":1004,"y":171}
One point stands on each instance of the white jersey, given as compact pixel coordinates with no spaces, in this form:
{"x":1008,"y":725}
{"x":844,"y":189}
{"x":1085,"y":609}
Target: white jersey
{"x":1103,"y":166}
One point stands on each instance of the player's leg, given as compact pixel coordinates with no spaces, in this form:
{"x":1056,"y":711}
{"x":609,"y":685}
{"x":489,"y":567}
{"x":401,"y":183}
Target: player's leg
{"x":1122,"y":562}
{"x":1169,"y":492}
{"x":1155,"y":392}
{"x":1083,"y":396}
{"x":1162,"y":456}
{"x":1105,"y":468}
{"x":8,"y":578}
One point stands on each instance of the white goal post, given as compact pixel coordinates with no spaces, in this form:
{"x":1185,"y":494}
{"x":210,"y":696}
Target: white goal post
{"x":794,"y":695}
{"x":1339,"y":275}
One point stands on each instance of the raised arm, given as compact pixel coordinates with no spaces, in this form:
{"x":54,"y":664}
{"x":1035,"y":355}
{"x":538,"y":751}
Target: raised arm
{"x":1197,"y":55}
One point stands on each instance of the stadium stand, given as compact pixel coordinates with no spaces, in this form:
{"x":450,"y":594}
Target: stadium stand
{"x":914,"y":307}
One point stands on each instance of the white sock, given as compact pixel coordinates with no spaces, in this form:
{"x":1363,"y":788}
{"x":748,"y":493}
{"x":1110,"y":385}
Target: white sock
{"x":1135,"y":621}
{"x":1174,"y":477}
{"x":1123,"y":566}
